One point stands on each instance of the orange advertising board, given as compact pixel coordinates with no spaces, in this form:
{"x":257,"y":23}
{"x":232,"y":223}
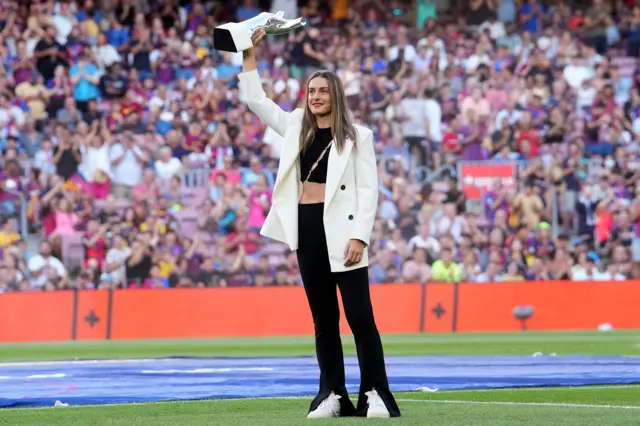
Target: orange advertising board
{"x":283,"y":311}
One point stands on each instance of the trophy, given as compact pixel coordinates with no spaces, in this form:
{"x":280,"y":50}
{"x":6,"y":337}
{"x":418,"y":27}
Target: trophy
{"x":238,"y":36}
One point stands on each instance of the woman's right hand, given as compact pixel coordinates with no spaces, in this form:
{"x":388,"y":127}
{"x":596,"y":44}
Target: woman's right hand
{"x":256,"y":40}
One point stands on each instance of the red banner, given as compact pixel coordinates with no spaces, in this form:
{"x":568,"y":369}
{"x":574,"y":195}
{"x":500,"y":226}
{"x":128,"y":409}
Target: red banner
{"x":479,"y":178}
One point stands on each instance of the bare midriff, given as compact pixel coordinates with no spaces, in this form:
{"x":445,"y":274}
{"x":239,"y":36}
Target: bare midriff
{"x":312,"y":193}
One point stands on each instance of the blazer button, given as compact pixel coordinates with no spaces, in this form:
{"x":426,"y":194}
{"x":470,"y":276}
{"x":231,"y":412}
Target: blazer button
{"x":343,"y":187}
{"x":350,"y":217}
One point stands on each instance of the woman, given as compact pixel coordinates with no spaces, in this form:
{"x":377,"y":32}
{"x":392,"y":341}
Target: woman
{"x":328,"y":175}
{"x":59,"y":89}
{"x":259,"y":198}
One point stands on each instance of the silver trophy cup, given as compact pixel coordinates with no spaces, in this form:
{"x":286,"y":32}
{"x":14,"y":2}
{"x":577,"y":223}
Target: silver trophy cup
{"x":238,"y":36}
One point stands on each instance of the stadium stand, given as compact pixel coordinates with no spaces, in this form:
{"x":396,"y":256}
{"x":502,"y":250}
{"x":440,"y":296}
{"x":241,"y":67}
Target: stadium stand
{"x":507,"y":132}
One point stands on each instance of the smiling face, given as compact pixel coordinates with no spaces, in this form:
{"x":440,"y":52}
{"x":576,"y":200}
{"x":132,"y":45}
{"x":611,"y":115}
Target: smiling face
{"x":319,"y":96}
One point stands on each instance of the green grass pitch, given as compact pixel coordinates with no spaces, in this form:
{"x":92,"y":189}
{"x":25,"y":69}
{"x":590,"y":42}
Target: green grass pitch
{"x":579,"y":406}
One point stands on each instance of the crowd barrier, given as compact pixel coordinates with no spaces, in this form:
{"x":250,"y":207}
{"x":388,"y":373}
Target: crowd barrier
{"x":283,"y":311}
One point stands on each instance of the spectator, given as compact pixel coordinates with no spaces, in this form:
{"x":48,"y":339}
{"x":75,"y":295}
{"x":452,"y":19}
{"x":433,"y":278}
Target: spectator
{"x":34,"y":94}
{"x":125,"y":138}
{"x":48,"y":52}
{"x":8,"y":234}
{"x":166,"y":166}
{"x":45,"y":269}
{"x":66,"y":155}
{"x":127,"y":163}
{"x":445,"y":269}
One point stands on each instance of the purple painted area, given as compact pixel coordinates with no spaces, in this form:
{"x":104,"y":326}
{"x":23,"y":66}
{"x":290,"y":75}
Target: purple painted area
{"x":173,"y":379}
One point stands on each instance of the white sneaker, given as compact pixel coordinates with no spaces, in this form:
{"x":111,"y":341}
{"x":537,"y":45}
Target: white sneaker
{"x":327,"y":409}
{"x":377,"y":409}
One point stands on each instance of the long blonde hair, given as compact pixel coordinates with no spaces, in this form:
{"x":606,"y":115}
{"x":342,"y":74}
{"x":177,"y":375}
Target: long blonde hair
{"x":341,"y":126}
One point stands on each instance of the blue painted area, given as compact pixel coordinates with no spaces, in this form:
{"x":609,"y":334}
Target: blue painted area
{"x":173,"y":379}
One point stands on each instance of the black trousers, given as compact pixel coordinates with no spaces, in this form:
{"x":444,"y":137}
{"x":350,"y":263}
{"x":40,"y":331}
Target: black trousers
{"x":320,"y":287}
{"x":416,"y":147}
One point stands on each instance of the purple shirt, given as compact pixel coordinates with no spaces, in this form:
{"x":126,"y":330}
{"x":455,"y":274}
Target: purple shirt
{"x":472,"y":151}
{"x":166,"y":73}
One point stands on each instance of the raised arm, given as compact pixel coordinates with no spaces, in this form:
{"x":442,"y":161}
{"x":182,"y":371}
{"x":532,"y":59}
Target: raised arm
{"x":267,"y":110}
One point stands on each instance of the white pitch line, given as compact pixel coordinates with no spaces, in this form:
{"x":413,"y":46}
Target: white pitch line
{"x":532,"y":404}
{"x":83,"y":361}
{"x":441,"y":401}
{"x":173,"y":401}
{"x":540,"y":388}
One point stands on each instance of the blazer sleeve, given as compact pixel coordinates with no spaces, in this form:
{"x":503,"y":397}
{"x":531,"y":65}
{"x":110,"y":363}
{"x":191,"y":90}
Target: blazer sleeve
{"x":366,"y":172}
{"x":267,"y":110}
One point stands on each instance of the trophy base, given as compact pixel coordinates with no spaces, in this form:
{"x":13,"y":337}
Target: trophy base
{"x":232,"y":37}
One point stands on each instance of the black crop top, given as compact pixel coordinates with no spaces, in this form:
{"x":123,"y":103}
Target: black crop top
{"x":307,"y":159}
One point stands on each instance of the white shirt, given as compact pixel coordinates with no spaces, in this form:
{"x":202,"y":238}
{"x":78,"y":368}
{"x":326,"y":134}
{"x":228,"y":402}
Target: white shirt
{"x":387,"y":210}
{"x":512,"y":117}
{"x":291,"y":84}
{"x":63,"y":28}
{"x":409,"y":53}
{"x":474,"y":61}
{"x":129,"y":171}
{"x":635,"y":126}
{"x":416,"y":111}
{"x":586,"y":96}
{"x":116,"y":256}
{"x":446,"y":226}
{"x":484,"y":278}
{"x":7,"y":115}
{"x":421,"y":64}
{"x":169,"y":169}
{"x":438,"y":46}
{"x":39,"y":263}
{"x":434,"y":114}
{"x":106,"y":55}
{"x":207,"y":76}
{"x":575,"y":75}
{"x":606,"y":276}
{"x":44,"y":161}
{"x":582,"y":275}
{"x":351,"y":82}
{"x":430,"y":244}
{"x":159,"y":104}
{"x":496,"y":29}
{"x":289,"y":7}
{"x":31,"y":45}
{"x":94,"y":159}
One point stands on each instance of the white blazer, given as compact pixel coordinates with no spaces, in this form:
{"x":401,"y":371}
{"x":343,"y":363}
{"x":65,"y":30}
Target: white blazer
{"x":351,"y":196}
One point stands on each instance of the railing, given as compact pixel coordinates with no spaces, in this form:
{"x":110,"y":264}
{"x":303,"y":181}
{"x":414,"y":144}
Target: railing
{"x":439,"y":171}
{"x":199,"y":177}
{"x":419,"y":174}
{"x":196,"y":177}
{"x":555,"y":213}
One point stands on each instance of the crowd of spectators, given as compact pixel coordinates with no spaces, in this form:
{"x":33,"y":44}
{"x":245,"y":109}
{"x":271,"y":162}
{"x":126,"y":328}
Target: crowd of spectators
{"x":126,"y":143}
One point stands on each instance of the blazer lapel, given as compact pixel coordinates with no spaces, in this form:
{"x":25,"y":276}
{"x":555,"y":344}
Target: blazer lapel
{"x":337,"y":165}
{"x":289,"y":157}
{"x":287,"y":160}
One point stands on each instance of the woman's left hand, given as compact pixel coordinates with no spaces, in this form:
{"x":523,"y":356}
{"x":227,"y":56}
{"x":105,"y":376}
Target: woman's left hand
{"x":353,"y":252}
